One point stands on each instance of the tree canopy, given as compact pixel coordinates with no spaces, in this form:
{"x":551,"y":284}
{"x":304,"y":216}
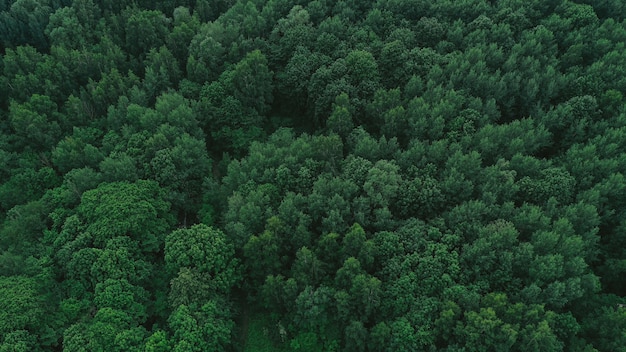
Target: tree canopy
{"x":230,"y":175}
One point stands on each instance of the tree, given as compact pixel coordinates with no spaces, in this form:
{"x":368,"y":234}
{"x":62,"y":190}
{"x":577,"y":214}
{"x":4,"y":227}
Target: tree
{"x":367,"y":291}
{"x":205,"y":250}
{"x":571,"y":122}
{"x":262,"y":254}
{"x":393,"y":64}
{"x":99,"y":94}
{"x":485,"y":330}
{"x":185,"y":28}
{"x":35,"y":123}
{"x":482,"y":264}
{"x":402,"y":336}
{"x":120,"y":269}
{"x":279,"y":294}
{"x":22,"y":308}
{"x":382,"y":183}
{"x":75,"y":26}
{"x":144,"y":30}
{"x":119,"y":167}
{"x":356,"y":244}
{"x":180,"y":169}
{"x":292,"y":32}
{"x":209,"y":328}
{"x":157,"y":342}
{"x":99,"y":333}
{"x":19,"y":341}
{"x":329,"y":203}
{"x":191,"y":288}
{"x":77,"y":150}
{"x":558,"y":267}
{"x":121,"y":208}
{"x":130,"y":340}
{"x":313,"y":309}
{"x":207,"y":52}
{"x":394,"y":175}
{"x":423,"y":197}
{"x":362,"y":71}
{"x":305,"y":341}
{"x":520,"y":136}
{"x":24,"y":227}
{"x":227,"y":120}
{"x":123,"y":296}
{"x":162,"y":72}
{"x":307,"y":269}
{"x":292,"y":83}
{"x":250,"y":82}
{"x":553,"y":182}
{"x":24,"y":24}
{"x":340,"y":120}
{"x":605,"y":333}
{"x":356,"y":337}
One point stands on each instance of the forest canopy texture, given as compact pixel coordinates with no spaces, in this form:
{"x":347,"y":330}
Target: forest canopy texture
{"x":287,"y":175}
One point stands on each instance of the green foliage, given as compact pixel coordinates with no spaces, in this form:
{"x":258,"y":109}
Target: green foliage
{"x":19,"y":341}
{"x":340,"y":120}
{"x":209,"y":327}
{"x":258,"y":333}
{"x":34,"y":123}
{"x":397,"y":175}
{"x":23,"y":23}
{"x":202,"y":250}
{"x":144,"y":30}
{"x":133,"y":209}
{"x":22,"y":306}
{"x":229,"y":122}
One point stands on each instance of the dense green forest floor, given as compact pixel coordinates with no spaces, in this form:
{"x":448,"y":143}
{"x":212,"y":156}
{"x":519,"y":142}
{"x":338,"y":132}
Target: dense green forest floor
{"x":286,"y":175}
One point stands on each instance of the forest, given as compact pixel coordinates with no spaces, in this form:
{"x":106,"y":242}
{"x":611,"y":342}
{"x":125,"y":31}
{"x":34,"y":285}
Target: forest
{"x":290,"y":175}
